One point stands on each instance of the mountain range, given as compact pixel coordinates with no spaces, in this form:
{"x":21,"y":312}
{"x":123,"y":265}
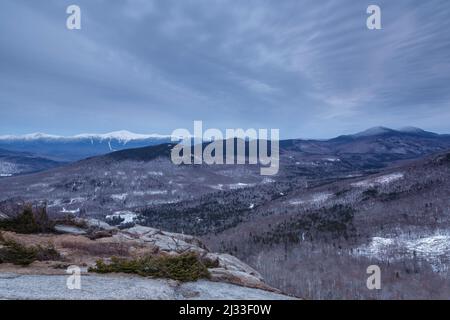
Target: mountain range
{"x":335,"y":207}
{"x":374,"y":147}
{"x":72,"y":148}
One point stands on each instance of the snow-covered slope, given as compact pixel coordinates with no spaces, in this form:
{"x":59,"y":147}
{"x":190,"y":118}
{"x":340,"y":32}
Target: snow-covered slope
{"x":13,"y":163}
{"x":122,"y":135}
{"x":374,"y":132}
{"x":71,"y":148}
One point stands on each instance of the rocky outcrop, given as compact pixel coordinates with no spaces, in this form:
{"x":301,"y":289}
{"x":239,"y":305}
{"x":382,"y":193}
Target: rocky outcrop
{"x":117,"y":287}
{"x":229,"y":269}
{"x":172,"y":243}
{"x":92,"y":239}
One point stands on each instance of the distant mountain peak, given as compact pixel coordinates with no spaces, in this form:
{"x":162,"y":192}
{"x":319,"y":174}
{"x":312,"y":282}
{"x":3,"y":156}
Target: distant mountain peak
{"x":378,"y":131}
{"x":71,"y":148}
{"x":30,"y":136}
{"x":122,"y":135}
{"x":375,"y":131}
{"x":411,"y":130}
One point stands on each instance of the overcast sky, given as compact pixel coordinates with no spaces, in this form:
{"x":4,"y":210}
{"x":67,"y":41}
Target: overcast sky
{"x":310,"y":68}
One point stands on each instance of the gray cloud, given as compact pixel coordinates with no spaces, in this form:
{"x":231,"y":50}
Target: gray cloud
{"x":311,"y":69}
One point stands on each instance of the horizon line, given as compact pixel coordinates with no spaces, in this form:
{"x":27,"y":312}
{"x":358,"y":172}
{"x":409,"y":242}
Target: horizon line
{"x":131,"y":135}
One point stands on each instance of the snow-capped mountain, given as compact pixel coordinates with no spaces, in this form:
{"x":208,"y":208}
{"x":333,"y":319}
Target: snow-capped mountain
{"x":71,"y":148}
{"x":375,"y":131}
{"x":382,"y":131}
{"x":122,"y":135}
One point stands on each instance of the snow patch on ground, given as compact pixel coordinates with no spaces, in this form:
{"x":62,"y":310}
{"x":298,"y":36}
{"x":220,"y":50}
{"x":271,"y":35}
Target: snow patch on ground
{"x":7,"y":169}
{"x":77,"y":200}
{"x":150,"y":192}
{"x":240,"y":185}
{"x":156,"y":192}
{"x":127,"y":216}
{"x":306,"y":163}
{"x":156,"y":173}
{"x":315,"y":198}
{"x":381,"y":180}
{"x":333,"y":159}
{"x":54,"y":203}
{"x":160,"y":201}
{"x":64,"y":210}
{"x":433,"y":248}
{"x":119,"y":197}
{"x":231,"y":186}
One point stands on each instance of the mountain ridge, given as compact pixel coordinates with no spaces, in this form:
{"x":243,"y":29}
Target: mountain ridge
{"x":126,"y":135}
{"x":400,"y":144}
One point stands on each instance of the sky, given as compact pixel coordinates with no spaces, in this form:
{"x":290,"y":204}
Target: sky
{"x":309,"y":68}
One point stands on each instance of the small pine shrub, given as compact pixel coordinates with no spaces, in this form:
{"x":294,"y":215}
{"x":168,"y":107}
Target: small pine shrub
{"x":29,"y":222}
{"x":184,"y":267}
{"x":370,"y":193}
{"x":210,"y":263}
{"x":48,"y":253}
{"x":18,"y":254}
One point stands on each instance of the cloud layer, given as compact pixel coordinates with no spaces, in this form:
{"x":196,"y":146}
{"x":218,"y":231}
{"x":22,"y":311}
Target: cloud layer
{"x":310,"y":68}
